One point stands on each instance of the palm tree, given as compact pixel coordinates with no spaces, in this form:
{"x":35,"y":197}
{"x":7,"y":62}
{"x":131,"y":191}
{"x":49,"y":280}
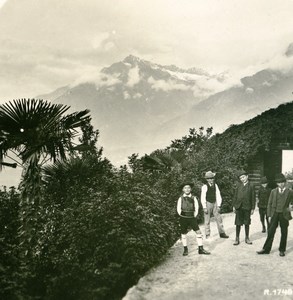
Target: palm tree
{"x":37,"y":131}
{"x":162,"y":161}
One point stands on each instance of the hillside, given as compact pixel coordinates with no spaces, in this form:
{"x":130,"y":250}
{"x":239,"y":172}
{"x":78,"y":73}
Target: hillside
{"x":132,"y":98}
{"x":262,"y":91}
{"x":139,"y":106}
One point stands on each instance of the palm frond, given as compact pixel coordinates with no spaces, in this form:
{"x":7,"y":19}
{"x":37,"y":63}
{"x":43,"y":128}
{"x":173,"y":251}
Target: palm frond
{"x":36,"y":126}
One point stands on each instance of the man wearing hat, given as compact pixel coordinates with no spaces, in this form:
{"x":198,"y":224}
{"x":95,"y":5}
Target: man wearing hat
{"x":243,"y":205}
{"x":279,"y":212}
{"x":187,"y":208}
{"x":211,"y":201}
{"x":263,"y":198}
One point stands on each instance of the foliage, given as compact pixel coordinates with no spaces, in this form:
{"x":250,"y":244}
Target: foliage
{"x":102,"y":228}
{"x":98,"y":229}
{"x":10,"y":277}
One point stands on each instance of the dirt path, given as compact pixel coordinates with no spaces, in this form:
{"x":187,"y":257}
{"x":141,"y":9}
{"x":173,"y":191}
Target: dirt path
{"x":230,"y":272}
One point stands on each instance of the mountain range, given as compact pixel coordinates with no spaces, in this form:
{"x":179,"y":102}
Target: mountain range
{"x":139,"y":106}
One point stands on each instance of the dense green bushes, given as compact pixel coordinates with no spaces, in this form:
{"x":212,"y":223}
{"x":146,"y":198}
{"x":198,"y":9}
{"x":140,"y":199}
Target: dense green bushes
{"x":104,"y":228}
{"x":100,"y":228}
{"x":10,"y":277}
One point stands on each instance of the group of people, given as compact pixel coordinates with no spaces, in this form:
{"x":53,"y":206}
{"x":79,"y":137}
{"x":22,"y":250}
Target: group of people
{"x":274,"y":205}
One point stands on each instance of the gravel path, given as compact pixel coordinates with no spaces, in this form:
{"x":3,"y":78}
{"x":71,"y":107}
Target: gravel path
{"x":230,"y":272}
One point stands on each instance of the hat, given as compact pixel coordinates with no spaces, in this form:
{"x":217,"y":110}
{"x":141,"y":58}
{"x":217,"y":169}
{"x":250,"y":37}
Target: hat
{"x":186,"y":183}
{"x":209,"y":175}
{"x":280,"y":178}
{"x":263,"y":180}
{"x":241,"y":172}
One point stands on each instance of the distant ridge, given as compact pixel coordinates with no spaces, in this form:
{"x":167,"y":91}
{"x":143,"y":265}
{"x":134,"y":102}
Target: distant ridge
{"x":140,"y":106}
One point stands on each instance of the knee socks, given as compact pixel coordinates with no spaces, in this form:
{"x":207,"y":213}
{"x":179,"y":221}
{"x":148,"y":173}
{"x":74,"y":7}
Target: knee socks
{"x":199,"y":239}
{"x":184,"y":240}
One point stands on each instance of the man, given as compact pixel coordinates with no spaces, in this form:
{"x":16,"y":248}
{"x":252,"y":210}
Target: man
{"x":243,"y":206}
{"x":279,"y":212}
{"x":211,"y":201}
{"x":187,"y":209}
{"x":263,"y":198}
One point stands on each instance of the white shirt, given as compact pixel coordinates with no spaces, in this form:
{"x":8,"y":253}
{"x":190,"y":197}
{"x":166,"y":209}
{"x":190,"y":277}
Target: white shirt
{"x":203,"y":195}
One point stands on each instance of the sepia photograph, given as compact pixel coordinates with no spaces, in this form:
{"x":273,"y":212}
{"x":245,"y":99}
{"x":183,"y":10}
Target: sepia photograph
{"x":146,"y":149}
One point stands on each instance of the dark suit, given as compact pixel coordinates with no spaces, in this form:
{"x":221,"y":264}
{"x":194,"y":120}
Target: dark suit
{"x":244,"y":202}
{"x":277,"y":218}
{"x":244,"y":196}
{"x":272,"y":204}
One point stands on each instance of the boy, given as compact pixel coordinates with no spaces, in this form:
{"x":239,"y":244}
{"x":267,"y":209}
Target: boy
{"x":211,"y":201}
{"x":263,"y":198}
{"x":187,"y":208}
{"x":243,"y":206}
{"x":279,"y":212}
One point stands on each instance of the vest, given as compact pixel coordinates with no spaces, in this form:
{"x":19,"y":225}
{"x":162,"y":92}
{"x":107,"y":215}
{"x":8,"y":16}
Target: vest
{"x":187,"y":206}
{"x":281,"y":200}
{"x":211,"y":193}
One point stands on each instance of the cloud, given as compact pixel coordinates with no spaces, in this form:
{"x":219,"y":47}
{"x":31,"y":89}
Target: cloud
{"x":100,"y":39}
{"x":266,"y":83}
{"x":212,"y":84}
{"x":137,"y":95}
{"x":249,"y":90}
{"x":103,"y":41}
{"x":2,"y":2}
{"x":73,"y":36}
{"x":133,"y":77}
{"x":100,"y":79}
{"x":168,"y":85}
{"x":289,"y":51}
{"x":109,"y":46}
{"x":126,"y":95}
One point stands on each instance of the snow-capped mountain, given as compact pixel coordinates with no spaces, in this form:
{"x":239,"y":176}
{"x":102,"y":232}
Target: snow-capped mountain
{"x":140,"y":106}
{"x":132,"y":98}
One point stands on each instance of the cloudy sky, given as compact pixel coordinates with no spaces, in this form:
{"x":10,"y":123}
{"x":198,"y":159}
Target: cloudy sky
{"x":51,"y":43}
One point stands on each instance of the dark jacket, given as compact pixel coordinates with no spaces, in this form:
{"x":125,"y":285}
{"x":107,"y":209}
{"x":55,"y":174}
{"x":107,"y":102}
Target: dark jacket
{"x":244,"y":196}
{"x":273,"y":203}
{"x":263,"y":196}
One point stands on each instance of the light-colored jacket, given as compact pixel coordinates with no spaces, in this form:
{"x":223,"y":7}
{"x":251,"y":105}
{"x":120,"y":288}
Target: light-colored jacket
{"x":203,"y":199}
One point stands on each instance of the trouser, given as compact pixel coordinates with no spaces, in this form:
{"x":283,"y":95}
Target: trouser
{"x":212,"y":208}
{"x":277,"y":219}
{"x":263,"y":215}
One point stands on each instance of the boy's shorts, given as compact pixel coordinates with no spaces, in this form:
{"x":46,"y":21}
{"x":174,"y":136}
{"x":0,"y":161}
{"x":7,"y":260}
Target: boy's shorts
{"x":242,"y":217}
{"x":186,"y":223}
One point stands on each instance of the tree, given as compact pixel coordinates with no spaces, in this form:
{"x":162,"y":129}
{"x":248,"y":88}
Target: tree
{"x":37,"y":131}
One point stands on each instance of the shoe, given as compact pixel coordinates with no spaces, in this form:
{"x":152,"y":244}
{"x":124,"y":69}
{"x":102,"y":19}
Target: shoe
{"x":263,"y":251}
{"x":248,"y":241}
{"x":185,"y":252}
{"x":263,"y":229}
{"x":236,"y":242}
{"x":207,"y":236}
{"x":201,"y":250}
{"x":282,"y":253}
{"x":224,"y":236}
